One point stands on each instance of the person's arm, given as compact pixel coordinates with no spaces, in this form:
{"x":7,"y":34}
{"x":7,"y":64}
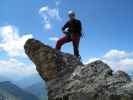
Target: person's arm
{"x":79,"y":26}
{"x":65,"y":26}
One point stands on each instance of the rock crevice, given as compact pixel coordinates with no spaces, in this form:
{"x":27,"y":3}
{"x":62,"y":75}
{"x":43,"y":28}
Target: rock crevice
{"x":68,"y":79}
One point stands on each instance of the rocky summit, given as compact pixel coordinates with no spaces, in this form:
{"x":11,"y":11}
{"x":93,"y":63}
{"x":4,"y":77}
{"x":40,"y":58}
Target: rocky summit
{"x":68,"y":79}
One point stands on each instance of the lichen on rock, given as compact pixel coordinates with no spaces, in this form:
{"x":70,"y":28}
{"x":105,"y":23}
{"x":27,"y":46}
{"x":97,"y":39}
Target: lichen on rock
{"x":68,"y":79}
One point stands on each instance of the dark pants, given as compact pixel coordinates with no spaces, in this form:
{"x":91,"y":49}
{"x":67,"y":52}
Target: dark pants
{"x":75,"y":38}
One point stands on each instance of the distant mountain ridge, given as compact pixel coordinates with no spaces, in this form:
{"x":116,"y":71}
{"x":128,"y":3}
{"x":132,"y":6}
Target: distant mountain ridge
{"x":38,"y":89}
{"x":30,"y":80}
{"x":9,"y":91}
{"x":3,"y":78}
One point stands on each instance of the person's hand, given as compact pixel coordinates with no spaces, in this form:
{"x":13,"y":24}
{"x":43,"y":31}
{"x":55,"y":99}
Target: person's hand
{"x":64,"y":32}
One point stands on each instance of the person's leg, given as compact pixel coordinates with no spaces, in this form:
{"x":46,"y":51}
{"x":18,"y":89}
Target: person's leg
{"x":76,"y":40}
{"x":59,"y":43}
{"x":62,"y":41}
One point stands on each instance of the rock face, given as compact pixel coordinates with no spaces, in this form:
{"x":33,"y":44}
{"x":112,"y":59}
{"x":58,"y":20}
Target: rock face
{"x":68,"y":79}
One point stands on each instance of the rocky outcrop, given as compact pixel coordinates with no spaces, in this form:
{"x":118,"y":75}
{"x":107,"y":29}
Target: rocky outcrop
{"x":68,"y":79}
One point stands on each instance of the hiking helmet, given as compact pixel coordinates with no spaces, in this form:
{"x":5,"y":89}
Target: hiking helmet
{"x":71,"y":13}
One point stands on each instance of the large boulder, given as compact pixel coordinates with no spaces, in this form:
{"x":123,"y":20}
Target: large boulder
{"x":68,"y":79}
{"x":49,"y":62}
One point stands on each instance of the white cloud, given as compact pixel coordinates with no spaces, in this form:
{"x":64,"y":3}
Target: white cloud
{"x":117,"y":59}
{"x":45,"y":8}
{"x":49,"y":14}
{"x":13,"y":68}
{"x":53,"y":39}
{"x":11,"y":42}
{"x":47,"y":25}
{"x":116,"y":54}
{"x":125,"y":64}
{"x":57,"y":3}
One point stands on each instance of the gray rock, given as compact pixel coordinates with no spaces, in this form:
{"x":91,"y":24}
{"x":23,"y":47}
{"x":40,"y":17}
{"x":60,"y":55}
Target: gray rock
{"x":68,"y":79}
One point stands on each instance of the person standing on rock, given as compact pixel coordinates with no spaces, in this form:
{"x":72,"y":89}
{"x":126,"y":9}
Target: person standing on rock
{"x":72,"y":33}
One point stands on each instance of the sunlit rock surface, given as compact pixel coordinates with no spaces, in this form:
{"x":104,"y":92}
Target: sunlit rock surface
{"x":68,"y":79}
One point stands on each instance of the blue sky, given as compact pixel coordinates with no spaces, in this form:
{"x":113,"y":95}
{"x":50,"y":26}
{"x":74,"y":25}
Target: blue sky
{"x":107,"y":29}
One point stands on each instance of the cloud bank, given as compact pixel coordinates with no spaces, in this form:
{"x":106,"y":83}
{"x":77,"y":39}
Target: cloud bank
{"x":11,"y":43}
{"x":117,"y":59}
{"x":15,"y":69}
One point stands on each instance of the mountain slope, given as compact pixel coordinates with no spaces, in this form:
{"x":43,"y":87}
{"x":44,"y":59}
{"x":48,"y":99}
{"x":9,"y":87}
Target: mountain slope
{"x":12,"y":92}
{"x":30,"y":80}
{"x":3,"y":78}
{"x":38,"y":89}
